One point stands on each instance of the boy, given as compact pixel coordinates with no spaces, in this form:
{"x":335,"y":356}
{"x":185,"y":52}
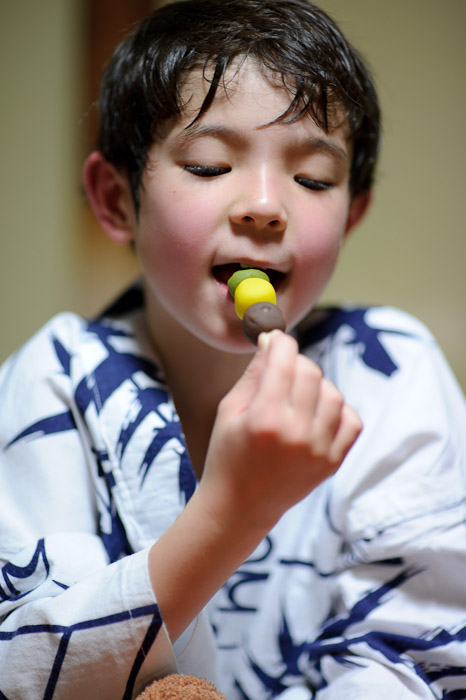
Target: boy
{"x":172,"y":499}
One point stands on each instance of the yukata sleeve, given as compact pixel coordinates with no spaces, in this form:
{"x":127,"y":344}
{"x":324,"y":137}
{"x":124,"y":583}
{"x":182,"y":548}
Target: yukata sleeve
{"x":71,"y":623}
{"x":398,"y":628}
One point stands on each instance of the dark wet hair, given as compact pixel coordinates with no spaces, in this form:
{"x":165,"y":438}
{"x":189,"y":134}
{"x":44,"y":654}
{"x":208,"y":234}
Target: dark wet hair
{"x":291,"y":39}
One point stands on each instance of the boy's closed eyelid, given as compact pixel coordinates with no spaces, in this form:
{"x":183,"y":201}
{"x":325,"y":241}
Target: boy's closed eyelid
{"x":314,"y":184}
{"x":211,"y":171}
{"x":207,"y":170}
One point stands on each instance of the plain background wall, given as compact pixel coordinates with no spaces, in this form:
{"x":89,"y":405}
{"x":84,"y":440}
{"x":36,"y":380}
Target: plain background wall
{"x":40,"y":103}
{"x":410,"y":251}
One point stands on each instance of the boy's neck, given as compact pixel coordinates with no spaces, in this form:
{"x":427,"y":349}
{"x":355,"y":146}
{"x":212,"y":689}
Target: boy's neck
{"x":198,"y":377}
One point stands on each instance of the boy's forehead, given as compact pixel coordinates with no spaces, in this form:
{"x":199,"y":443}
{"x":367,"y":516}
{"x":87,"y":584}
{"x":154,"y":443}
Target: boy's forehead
{"x":236,"y":79}
{"x":244,"y":89}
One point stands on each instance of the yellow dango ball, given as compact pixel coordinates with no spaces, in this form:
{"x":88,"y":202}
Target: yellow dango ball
{"x":251,"y":291}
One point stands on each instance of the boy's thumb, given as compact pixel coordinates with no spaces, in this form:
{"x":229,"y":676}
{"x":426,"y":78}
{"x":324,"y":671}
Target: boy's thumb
{"x":247,"y":385}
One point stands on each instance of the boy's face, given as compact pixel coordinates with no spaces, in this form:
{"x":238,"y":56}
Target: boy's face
{"x":225,"y":192}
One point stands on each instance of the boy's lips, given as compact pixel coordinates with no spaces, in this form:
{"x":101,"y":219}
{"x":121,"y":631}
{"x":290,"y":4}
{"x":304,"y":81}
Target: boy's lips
{"x":222,"y":273}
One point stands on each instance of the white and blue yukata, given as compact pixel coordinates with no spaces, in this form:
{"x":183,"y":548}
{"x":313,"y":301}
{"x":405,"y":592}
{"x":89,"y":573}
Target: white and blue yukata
{"x":359,"y":592}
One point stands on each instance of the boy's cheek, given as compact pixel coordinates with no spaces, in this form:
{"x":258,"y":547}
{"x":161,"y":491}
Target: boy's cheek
{"x":183,"y":213}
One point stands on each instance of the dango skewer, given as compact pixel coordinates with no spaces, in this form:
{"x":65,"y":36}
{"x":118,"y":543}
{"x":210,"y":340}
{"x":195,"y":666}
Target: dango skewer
{"x":255,"y":303}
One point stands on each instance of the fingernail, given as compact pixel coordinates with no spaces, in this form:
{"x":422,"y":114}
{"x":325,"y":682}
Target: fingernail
{"x":263,"y":341}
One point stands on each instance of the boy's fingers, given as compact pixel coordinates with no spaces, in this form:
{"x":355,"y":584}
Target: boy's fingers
{"x":286,"y":391}
{"x":306,"y":387}
{"x":246,"y":387}
{"x":263,"y":374}
{"x":332,"y":425}
{"x":281,"y":352}
{"x":328,"y":411}
{"x":348,"y":431}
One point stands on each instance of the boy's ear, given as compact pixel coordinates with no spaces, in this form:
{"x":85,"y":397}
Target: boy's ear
{"x":109,"y":195}
{"x":357,"y":210}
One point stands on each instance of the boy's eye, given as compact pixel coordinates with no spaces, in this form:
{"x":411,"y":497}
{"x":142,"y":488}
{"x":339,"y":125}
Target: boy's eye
{"x":316,"y":185}
{"x":206,"y":170}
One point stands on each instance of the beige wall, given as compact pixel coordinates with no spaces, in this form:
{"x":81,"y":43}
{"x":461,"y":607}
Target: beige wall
{"x":410,"y":252}
{"x":39,"y":180}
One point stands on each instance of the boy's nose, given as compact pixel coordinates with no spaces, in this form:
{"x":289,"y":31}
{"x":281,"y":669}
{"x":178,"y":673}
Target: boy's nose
{"x":259,"y":208}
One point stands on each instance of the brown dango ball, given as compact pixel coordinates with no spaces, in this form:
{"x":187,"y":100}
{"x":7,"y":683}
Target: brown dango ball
{"x":262,"y":317}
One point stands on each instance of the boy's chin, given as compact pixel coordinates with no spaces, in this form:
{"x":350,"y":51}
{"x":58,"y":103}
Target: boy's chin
{"x":234,"y":343}
{"x":229,"y":339}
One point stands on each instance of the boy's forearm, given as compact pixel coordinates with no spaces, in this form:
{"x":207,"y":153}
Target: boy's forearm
{"x":193,"y":559}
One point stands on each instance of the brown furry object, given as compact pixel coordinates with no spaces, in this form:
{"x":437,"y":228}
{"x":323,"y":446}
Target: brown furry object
{"x":179,"y":686}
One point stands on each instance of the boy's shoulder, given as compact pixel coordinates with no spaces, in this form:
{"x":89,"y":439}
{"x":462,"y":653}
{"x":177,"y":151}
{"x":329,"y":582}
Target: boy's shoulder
{"x":50,"y":346}
{"x":69,"y":340}
{"x":376,"y":340}
{"x":363,"y":320}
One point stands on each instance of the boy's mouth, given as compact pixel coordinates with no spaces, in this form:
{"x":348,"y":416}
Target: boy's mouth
{"x":222,"y":273}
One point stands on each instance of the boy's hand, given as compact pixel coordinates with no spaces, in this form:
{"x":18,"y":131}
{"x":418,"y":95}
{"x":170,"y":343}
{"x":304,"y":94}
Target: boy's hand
{"x":279,"y":432}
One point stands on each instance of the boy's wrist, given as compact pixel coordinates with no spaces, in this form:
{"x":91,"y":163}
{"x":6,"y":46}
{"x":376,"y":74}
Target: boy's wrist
{"x":230,"y":520}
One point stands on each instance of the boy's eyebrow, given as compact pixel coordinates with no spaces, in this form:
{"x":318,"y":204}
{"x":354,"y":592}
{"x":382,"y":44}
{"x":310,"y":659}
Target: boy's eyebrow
{"x":307,"y":144}
{"x":223,"y":133}
{"x":315,"y":144}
